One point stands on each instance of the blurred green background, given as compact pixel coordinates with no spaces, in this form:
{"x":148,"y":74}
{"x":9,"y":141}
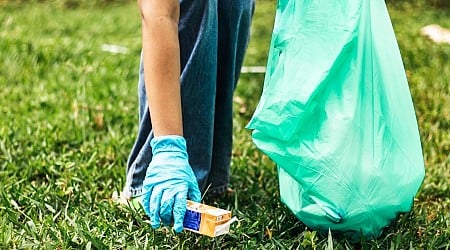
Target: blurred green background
{"x":68,"y":117}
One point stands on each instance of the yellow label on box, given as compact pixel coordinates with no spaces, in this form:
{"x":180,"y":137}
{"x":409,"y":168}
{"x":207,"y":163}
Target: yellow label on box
{"x":207,"y":220}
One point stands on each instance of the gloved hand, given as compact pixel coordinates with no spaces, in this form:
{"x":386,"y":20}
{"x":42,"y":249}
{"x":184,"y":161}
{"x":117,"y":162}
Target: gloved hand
{"x":168,"y":182}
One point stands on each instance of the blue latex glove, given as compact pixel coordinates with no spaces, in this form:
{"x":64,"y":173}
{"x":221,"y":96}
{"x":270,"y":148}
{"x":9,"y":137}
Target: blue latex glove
{"x":168,"y":182}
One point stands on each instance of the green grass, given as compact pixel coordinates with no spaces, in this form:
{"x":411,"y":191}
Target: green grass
{"x":68,"y":121}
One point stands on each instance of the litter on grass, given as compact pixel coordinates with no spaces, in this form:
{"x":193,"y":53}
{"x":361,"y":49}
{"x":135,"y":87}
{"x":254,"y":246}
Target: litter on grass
{"x":436,"y":33}
{"x":115,"y":49}
{"x":253,"y":69}
{"x":207,"y":220}
{"x":199,"y":218}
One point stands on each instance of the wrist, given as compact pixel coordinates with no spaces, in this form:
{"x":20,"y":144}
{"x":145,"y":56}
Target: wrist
{"x":168,"y":143}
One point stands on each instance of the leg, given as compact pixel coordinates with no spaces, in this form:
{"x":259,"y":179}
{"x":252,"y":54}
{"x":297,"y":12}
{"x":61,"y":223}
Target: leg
{"x":198,"y":43}
{"x":234,"y":31}
{"x":141,"y":152}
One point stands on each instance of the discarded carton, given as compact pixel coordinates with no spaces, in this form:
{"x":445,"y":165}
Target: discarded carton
{"x":207,"y":220}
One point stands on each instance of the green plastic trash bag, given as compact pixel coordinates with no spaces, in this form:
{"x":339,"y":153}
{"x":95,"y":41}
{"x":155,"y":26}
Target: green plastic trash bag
{"x":336,"y":116}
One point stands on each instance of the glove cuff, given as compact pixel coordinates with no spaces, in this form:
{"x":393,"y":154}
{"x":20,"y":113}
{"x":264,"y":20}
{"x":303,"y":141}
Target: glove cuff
{"x":169,"y":143}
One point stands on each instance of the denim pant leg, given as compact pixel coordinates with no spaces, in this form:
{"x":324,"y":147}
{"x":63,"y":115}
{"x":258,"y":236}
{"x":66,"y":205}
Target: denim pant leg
{"x":141,"y":153}
{"x":234,"y":19}
{"x":206,"y":93}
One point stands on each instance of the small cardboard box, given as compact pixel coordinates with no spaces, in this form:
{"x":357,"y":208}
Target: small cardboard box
{"x":207,"y":220}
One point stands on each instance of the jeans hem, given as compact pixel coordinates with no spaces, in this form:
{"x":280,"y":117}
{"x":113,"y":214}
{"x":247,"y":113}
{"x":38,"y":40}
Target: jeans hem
{"x":217,"y":190}
{"x":130,"y":192}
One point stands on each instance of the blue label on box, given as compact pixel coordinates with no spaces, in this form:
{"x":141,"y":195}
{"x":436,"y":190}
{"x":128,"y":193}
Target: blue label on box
{"x":192,"y":220}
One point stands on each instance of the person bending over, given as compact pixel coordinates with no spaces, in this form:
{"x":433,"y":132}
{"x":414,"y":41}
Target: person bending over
{"x":192,"y":52}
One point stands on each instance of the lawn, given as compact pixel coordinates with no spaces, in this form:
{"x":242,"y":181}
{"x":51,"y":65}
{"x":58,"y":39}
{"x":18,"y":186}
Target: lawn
{"x":68,"y":112}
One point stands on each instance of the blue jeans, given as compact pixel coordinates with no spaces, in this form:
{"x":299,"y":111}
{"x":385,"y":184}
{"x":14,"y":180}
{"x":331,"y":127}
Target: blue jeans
{"x":213,"y":37}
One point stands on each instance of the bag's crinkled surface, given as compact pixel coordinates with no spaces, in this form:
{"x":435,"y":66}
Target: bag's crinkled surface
{"x":336,"y":116}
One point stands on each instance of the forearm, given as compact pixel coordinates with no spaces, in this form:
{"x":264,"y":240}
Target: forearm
{"x":161,"y":55}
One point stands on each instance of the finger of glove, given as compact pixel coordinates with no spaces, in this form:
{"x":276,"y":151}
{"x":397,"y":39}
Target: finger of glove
{"x":146,"y":200}
{"x":194,"y":193}
{"x":155,"y":204}
{"x":179,"y":210}
{"x":166,"y":210}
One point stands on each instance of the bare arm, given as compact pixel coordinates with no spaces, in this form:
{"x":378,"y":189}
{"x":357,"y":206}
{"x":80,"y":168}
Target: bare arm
{"x":161,"y":54}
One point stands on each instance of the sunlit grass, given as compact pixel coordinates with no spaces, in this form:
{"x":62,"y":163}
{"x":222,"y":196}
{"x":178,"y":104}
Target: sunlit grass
{"x":68,"y":120}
